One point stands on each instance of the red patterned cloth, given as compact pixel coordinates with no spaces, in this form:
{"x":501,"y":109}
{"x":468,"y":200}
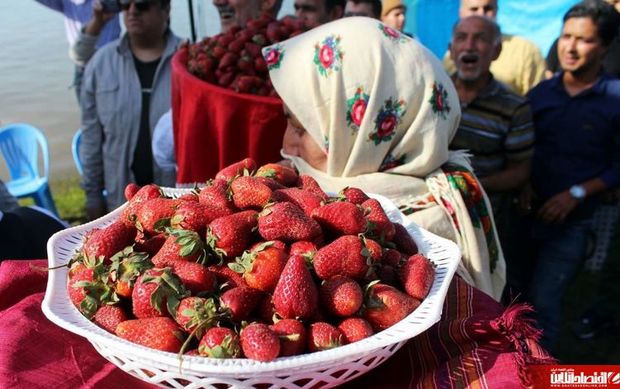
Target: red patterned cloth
{"x":214,"y":127}
{"x":476,"y":344}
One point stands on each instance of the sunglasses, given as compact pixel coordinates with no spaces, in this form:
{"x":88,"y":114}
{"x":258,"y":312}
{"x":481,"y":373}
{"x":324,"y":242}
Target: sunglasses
{"x":141,"y":6}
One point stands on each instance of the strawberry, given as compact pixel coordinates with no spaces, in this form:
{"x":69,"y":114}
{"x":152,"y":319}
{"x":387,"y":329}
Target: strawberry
{"x":270,"y":182}
{"x":219,"y":342}
{"x":283,"y":174}
{"x":194,"y":216}
{"x":287,"y":222}
{"x":306,"y":200}
{"x":260,"y":65}
{"x":155,"y":214}
{"x":345,"y":256}
{"x":265,"y":310}
{"x":249,"y":193}
{"x":292,"y":334}
{"x":215,"y":196}
{"x":262,"y":265}
{"x":392,"y":257}
{"x":341,"y":296}
{"x":253,"y":49}
{"x":259,"y":342}
{"x":379,"y":225}
{"x":303,"y":248}
{"x":109,"y":316}
{"x":386,"y":306}
{"x":355,"y":329}
{"x":160,"y":333}
{"x":183,"y":245}
{"x":226,"y":276}
{"x":417,"y":276}
{"x":157,"y":292}
{"x":340,"y":218}
{"x":229,"y":172}
{"x":147,"y":192}
{"x":88,"y":289}
{"x":106,"y":242}
{"x":191,"y":197}
{"x":195,"y":314}
{"x":324,"y":336}
{"x":239,"y":303}
{"x":403,"y":240}
{"x":126,"y":266}
{"x":353,"y":195}
{"x":309,"y":183}
{"x":194,"y":276}
{"x":228,"y":59}
{"x":230,"y":235}
{"x":130,"y":190}
{"x":295,"y":295}
{"x":150,"y":245}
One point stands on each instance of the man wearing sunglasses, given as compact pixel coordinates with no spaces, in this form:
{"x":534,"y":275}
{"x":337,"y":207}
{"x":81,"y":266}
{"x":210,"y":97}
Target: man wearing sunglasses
{"x":126,"y":89}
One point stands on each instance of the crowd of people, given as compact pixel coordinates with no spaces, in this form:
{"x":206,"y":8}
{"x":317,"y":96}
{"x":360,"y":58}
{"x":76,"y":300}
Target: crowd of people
{"x":542,"y":137}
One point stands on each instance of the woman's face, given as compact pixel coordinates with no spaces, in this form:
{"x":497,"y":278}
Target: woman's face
{"x":299,"y":143}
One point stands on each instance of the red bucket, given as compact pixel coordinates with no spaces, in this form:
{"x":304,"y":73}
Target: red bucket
{"x":214,"y":127}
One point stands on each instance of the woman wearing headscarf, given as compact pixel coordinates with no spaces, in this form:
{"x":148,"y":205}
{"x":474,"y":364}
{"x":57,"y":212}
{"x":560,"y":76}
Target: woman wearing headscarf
{"x":371,"y":108}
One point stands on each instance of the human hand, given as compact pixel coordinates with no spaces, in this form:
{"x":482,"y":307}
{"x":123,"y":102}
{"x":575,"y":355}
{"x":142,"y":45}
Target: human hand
{"x":100,"y":15}
{"x":95,"y":212}
{"x":556,"y":209}
{"x":527,"y":196}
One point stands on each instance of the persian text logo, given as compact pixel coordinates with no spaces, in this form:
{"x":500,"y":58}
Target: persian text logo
{"x":570,"y":378}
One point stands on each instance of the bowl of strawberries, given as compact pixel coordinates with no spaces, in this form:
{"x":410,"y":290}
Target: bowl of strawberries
{"x":257,"y":278}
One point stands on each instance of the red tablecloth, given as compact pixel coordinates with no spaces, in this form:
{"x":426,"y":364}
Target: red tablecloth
{"x":214,"y":127}
{"x":476,"y":343}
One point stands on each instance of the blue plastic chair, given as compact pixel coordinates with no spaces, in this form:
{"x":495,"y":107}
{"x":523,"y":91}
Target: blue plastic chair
{"x":20,"y":145}
{"x":75,"y":150}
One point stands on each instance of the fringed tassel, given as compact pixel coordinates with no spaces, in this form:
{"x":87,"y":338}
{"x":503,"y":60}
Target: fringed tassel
{"x":517,"y":325}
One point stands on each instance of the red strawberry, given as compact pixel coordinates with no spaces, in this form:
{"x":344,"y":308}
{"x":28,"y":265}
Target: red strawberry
{"x":154,"y":215}
{"x":109,"y":316}
{"x":355,"y":329}
{"x":306,"y":200}
{"x":340,"y":218}
{"x":183,"y":245}
{"x":296,"y":295}
{"x":386,"y":306}
{"x":147,"y":192}
{"x":130,"y":190}
{"x":150,"y":245}
{"x":228,"y":59}
{"x":308,"y":183}
{"x":262,"y":265}
{"x":226,"y":275}
{"x":249,"y":193}
{"x":247,"y":165}
{"x":341,"y":296}
{"x":194,"y":276}
{"x":287,"y":222}
{"x":345,"y":256}
{"x":417,"y":276}
{"x":253,"y":49}
{"x":156,"y":293}
{"x":126,"y":266}
{"x":160,"y":333}
{"x":403,"y":240}
{"x":106,"y":242}
{"x":220,"y":342}
{"x":191,"y":197}
{"x":324,"y":336}
{"x":379,"y":225}
{"x":304,"y":248}
{"x":259,"y":342}
{"x":265,"y":310}
{"x":353,"y":195}
{"x":260,"y":65}
{"x":271,"y":183}
{"x":215,"y":196}
{"x":292,"y":334}
{"x":191,"y":215}
{"x":240,"y":302}
{"x":283,"y":174}
{"x":195,"y":314}
{"x":87,"y":290}
{"x":230,"y":235}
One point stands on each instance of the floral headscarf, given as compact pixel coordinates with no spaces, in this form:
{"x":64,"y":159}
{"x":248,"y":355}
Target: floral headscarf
{"x":374,"y":99}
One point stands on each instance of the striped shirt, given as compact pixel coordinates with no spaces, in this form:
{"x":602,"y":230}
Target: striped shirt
{"x":496,"y":127}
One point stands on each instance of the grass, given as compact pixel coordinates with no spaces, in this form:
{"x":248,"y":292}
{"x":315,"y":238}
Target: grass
{"x":603,"y":349}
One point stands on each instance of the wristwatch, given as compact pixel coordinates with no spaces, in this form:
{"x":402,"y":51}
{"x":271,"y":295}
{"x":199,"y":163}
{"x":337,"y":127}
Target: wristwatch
{"x":578,"y":192}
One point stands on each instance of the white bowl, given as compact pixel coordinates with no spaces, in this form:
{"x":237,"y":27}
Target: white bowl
{"x":326,"y":368}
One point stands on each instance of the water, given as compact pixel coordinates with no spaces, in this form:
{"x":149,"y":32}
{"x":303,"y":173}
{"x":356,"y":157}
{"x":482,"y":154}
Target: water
{"x":36,"y":72}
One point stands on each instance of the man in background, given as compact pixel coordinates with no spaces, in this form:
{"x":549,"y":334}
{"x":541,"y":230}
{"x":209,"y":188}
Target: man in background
{"x":238,"y":12}
{"x":77,"y":14}
{"x":520,"y":65}
{"x":368,"y":8}
{"x":496,"y":127}
{"x":126,"y":90}
{"x":317,"y":12}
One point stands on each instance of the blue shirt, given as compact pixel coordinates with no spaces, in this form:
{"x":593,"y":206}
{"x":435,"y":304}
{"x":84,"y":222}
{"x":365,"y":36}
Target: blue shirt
{"x":77,"y":14}
{"x":577,"y":138}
